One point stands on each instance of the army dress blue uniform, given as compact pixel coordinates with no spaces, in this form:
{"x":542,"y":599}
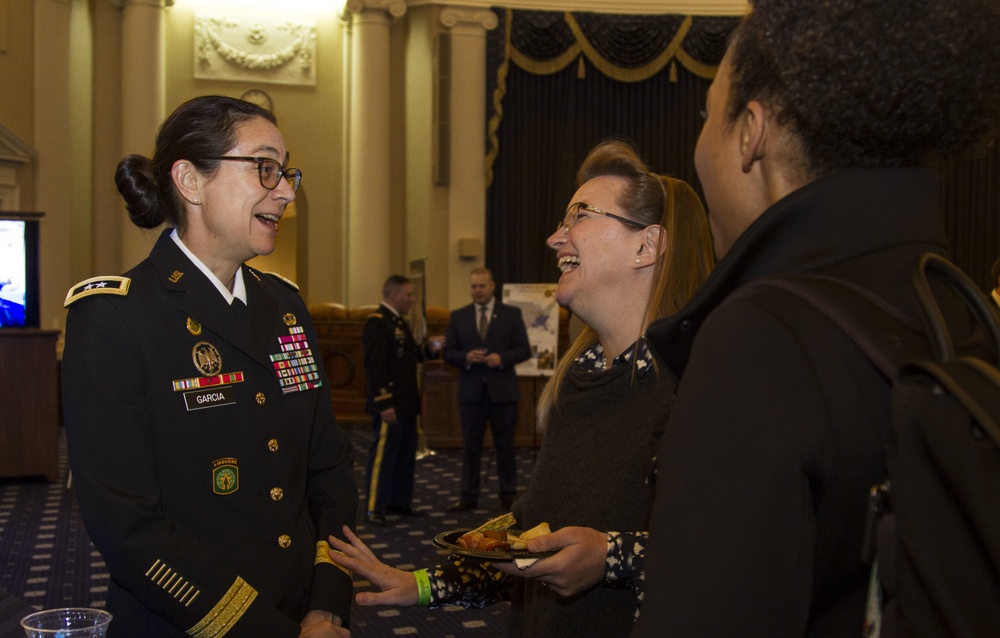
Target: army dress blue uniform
{"x":391,"y":357}
{"x":206,"y":458}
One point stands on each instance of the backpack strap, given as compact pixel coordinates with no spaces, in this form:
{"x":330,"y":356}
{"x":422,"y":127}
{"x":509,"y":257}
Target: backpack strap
{"x":878,"y":329}
{"x":934,"y":323}
{"x":974,"y":383}
{"x":882,"y":332}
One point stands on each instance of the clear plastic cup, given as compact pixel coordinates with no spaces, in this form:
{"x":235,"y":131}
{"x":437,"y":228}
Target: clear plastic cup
{"x":72,"y":622}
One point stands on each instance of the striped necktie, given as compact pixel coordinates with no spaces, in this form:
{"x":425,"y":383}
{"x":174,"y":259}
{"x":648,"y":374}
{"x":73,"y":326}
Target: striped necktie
{"x":484,"y":322}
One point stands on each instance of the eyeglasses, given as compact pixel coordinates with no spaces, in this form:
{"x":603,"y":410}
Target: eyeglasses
{"x":573,"y":215}
{"x":268,"y":170}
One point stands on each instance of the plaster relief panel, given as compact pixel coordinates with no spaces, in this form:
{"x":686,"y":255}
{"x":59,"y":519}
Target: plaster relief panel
{"x":254,"y":49}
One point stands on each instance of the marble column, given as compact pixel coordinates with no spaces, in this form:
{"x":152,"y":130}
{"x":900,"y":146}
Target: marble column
{"x":54,"y":150}
{"x":143,"y":94}
{"x":467,"y":147}
{"x":368,"y":163}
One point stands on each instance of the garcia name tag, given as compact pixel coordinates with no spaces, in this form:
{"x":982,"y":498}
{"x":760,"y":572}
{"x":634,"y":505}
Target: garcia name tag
{"x":209,"y":398}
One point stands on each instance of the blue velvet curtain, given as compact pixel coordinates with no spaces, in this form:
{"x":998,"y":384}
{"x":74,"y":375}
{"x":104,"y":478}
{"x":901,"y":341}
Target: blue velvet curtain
{"x":560,"y":82}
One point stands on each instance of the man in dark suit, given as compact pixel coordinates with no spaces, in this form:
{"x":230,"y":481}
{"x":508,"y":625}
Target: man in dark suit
{"x":391,"y":357}
{"x":485,"y":340}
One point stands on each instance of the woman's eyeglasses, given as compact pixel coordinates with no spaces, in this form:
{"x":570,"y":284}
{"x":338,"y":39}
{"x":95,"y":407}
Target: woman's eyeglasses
{"x":573,"y":215}
{"x":268,"y":170}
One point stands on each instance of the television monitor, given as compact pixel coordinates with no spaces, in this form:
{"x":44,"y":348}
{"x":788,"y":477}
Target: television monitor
{"x":19,"y":304}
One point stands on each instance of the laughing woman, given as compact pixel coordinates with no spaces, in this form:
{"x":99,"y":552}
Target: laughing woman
{"x":207,"y":478}
{"x":633,"y":247}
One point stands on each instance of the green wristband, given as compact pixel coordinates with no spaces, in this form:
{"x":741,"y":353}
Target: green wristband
{"x":423,"y":588}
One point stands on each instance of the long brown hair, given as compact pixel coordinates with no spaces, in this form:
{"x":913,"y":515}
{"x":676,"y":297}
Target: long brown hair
{"x":687,"y":257}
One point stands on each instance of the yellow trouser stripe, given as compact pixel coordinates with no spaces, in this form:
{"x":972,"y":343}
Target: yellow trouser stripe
{"x":377,"y":465}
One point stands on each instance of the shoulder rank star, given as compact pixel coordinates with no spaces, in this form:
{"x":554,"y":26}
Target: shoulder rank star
{"x":111,"y":285}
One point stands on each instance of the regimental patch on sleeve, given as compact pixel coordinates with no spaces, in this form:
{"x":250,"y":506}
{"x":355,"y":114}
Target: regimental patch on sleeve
{"x":110,"y":285}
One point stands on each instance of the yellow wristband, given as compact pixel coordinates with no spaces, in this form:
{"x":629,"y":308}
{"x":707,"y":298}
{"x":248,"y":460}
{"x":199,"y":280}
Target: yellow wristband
{"x":423,"y":588}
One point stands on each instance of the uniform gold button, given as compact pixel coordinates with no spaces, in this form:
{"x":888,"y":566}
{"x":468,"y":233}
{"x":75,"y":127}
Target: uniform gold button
{"x":261,"y":399}
{"x":284,"y":541}
{"x":277,"y":493}
{"x":272,"y":445}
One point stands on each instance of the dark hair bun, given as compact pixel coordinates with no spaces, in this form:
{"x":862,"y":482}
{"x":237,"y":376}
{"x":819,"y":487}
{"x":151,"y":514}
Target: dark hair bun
{"x":137,"y":184}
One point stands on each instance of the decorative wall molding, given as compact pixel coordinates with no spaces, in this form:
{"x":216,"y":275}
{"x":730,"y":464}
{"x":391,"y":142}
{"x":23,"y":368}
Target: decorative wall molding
{"x":151,"y":3}
{"x":452,"y":17}
{"x":254,"y":48}
{"x":395,"y":8}
{"x":623,"y":7}
{"x":13,"y":153}
{"x":14,"y":150}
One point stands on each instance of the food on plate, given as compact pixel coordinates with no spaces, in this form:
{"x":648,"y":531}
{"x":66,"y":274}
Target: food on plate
{"x":521,"y":542}
{"x":493,"y":536}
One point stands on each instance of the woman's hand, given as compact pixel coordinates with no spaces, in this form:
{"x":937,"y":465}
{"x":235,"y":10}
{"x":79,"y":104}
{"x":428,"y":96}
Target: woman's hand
{"x":321,"y":624}
{"x":398,"y":588}
{"x":578,"y":564}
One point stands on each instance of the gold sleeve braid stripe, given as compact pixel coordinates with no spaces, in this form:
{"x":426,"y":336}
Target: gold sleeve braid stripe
{"x":226,"y":612}
{"x":323,"y":556}
{"x":172,"y":583}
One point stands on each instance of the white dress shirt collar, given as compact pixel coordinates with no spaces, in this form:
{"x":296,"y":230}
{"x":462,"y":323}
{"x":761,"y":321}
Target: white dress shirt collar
{"x":239,"y":288}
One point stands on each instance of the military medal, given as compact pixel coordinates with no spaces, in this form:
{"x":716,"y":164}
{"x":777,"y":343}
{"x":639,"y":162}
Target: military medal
{"x":207,"y":382}
{"x":193,"y":326}
{"x":289,"y":319}
{"x":295,"y":365}
{"x":212,"y":389}
{"x":206,"y":358}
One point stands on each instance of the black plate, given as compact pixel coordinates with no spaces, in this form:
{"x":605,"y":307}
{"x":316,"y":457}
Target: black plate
{"x":449,"y":541}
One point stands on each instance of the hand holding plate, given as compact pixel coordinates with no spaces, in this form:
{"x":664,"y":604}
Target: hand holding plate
{"x":579,"y":561}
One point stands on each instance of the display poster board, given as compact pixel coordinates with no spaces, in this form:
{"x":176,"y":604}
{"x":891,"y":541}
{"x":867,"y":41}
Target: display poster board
{"x":418,"y":313}
{"x":541,"y":318}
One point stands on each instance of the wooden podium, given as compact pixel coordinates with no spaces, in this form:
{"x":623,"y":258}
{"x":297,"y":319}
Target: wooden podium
{"x":29,"y":403}
{"x":440,"y":420}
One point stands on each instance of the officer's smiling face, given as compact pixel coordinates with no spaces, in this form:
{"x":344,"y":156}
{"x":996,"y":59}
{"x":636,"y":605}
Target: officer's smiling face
{"x":238,"y":218}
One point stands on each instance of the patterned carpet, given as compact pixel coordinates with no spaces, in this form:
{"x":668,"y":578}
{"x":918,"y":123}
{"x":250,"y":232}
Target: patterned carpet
{"x":47,"y":560}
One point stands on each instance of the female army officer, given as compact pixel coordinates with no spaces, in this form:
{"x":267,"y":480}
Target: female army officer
{"x":207,"y":461}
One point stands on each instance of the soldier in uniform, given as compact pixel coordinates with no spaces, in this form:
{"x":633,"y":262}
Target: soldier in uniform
{"x":208,"y":465}
{"x":391,"y":356}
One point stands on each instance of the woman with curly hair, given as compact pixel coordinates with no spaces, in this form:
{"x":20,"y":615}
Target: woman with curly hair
{"x":817,"y":126}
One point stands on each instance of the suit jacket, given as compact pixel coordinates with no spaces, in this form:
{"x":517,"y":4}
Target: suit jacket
{"x":506,"y":336}
{"x":206,"y":458}
{"x":391,"y":357}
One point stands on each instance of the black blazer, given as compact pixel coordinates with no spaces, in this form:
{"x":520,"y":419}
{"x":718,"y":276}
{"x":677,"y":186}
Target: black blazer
{"x":506,"y":336}
{"x":221,"y":488}
{"x":391,"y":357}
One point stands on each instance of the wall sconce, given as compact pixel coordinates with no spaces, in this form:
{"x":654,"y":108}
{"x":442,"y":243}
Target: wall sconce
{"x":469,"y":248}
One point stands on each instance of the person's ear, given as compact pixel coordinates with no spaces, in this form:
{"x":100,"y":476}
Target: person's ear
{"x":188,"y":181}
{"x":654,"y":244}
{"x":754,"y":128}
